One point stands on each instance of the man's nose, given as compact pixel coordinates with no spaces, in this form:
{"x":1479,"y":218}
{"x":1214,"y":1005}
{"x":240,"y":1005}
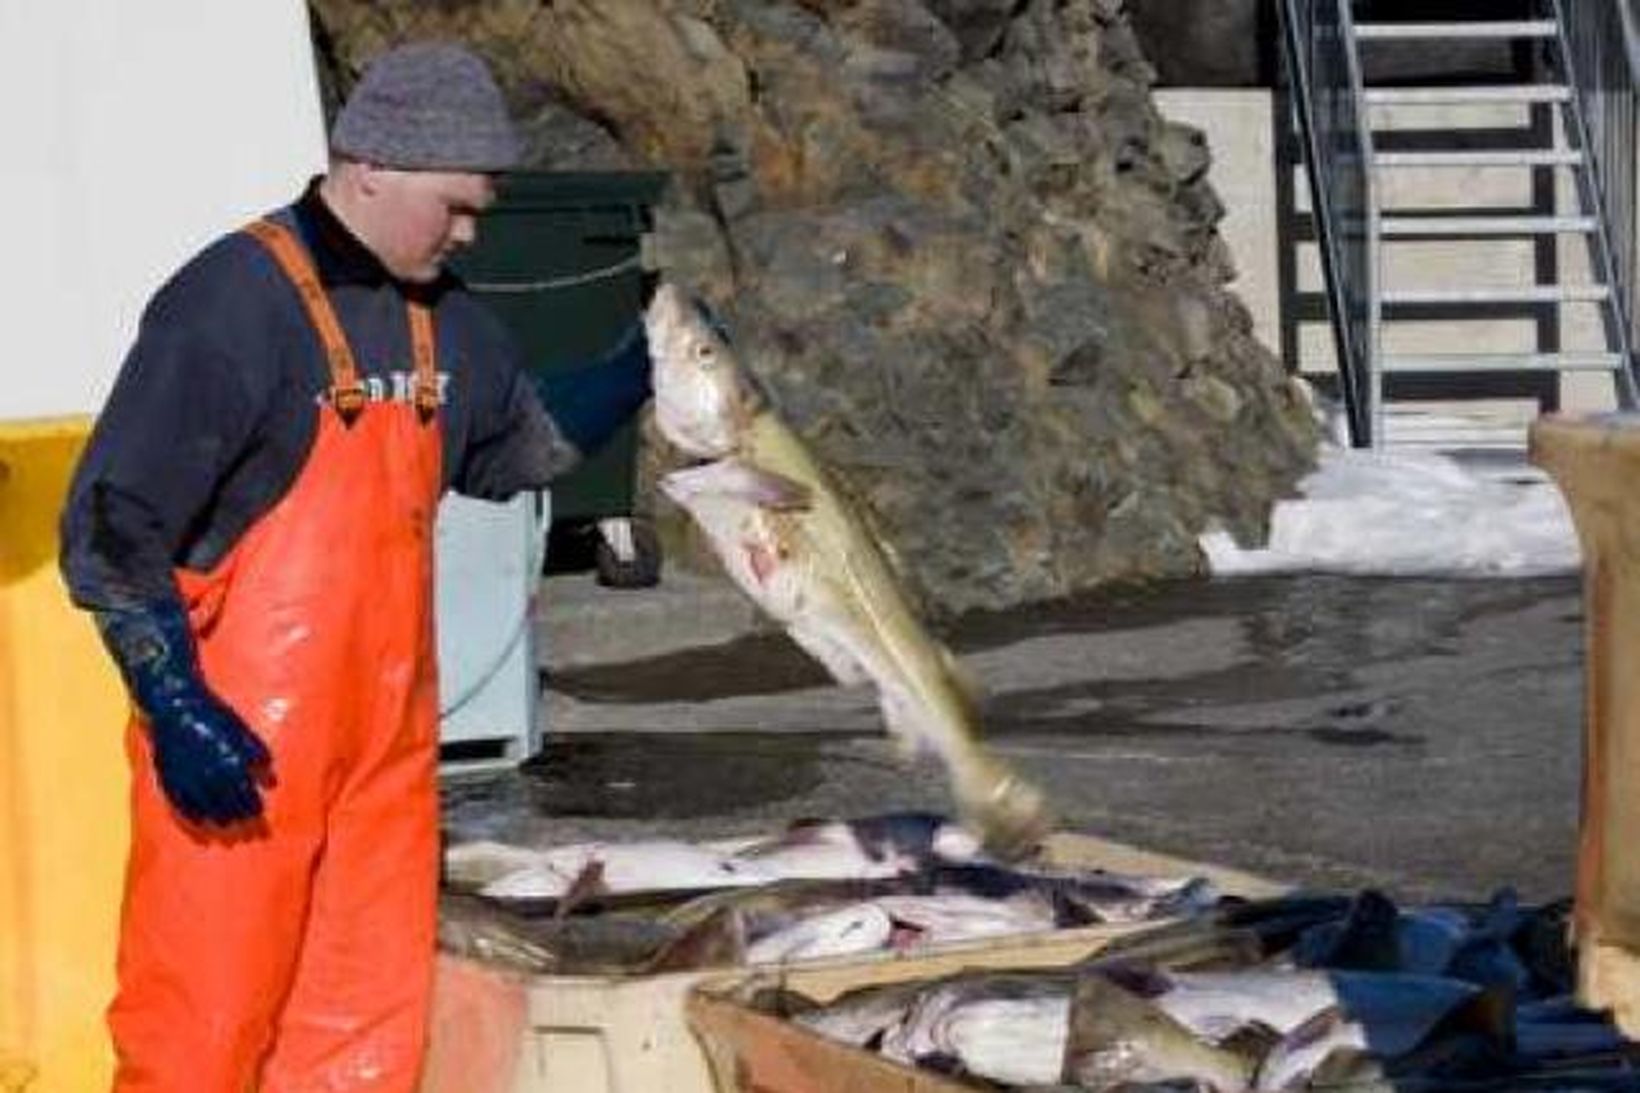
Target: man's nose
{"x":463,"y":230}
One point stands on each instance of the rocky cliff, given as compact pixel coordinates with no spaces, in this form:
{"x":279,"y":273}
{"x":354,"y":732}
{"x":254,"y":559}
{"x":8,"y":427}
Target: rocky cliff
{"x":975,"y":266}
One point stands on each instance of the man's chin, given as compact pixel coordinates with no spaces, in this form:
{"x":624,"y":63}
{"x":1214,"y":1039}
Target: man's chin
{"x":424,"y":275}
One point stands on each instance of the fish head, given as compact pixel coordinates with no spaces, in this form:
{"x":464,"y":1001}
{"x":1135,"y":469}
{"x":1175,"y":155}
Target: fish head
{"x":703,"y":399}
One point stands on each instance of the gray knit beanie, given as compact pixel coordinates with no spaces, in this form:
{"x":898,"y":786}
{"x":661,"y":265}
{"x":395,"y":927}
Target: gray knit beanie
{"x":428,"y":106}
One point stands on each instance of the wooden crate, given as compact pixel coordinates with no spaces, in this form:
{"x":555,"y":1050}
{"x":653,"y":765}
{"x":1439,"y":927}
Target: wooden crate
{"x":751,"y":1052}
{"x":1596,"y":463}
{"x":606,"y":1034}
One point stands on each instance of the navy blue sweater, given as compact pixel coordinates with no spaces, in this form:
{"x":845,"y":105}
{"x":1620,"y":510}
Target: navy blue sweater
{"x":213,"y":413}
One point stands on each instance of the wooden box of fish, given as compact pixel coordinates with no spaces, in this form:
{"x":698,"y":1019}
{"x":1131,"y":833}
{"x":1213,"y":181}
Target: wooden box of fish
{"x":568,"y":968}
{"x":1291,"y":992}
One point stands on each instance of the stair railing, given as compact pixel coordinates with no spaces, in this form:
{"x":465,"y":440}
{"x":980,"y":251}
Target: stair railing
{"x":1324,"y":82}
{"x":1600,"y":40}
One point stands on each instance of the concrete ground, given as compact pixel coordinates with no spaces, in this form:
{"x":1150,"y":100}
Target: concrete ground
{"x":1417,"y":735}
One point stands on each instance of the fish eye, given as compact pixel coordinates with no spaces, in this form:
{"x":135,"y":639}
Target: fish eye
{"x":704,"y":353}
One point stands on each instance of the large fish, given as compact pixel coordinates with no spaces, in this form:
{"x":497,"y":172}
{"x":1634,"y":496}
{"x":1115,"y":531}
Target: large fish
{"x":791,"y":542}
{"x":1004,"y":1027}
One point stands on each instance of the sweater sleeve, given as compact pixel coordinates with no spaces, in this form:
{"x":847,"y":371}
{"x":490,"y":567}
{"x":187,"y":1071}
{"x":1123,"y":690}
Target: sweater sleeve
{"x":182,"y":409}
{"x":542,"y":425}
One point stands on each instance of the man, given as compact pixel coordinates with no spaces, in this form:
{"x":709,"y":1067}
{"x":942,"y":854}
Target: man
{"x":252,"y":527}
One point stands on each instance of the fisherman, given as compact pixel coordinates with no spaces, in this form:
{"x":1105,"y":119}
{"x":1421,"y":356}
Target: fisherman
{"x":252,"y":528}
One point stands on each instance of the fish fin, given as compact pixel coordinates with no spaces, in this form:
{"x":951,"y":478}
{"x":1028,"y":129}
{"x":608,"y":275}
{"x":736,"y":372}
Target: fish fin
{"x":1313,"y":1030}
{"x":1490,"y":1012}
{"x":1316,"y":1027}
{"x":1115,"y":1036}
{"x":1368,"y":940}
{"x":1251,"y":1041}
{"x":719,"y":939}
{"x":778,"y":493}
{"x":762,"y":487}
{"x":740,"y":479}
{"x":587,"y":885}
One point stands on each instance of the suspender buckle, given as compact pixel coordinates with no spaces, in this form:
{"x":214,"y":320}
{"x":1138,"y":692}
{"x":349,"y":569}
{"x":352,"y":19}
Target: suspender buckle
{"x":348,"y":401}
{"x":425,"y":396}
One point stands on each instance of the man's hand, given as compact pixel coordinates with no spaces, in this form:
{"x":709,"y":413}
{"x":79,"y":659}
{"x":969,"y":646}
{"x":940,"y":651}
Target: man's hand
{"x":207,"y":758}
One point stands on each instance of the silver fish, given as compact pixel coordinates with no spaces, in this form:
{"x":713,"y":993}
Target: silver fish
{"x":871,"y":847}
{"x":845,"y":931}
{"x":861,"y":1018}
{"x":946,"y":917}
{"x":656,"y":865}
{"x":1016,"y":1041}
{"x":604,"y":944}
{"x":949,"y":1020}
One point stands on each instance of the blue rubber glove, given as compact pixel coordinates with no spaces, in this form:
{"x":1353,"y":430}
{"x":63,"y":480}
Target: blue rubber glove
{"x":207,"y":758}
{"x":590,"y":402}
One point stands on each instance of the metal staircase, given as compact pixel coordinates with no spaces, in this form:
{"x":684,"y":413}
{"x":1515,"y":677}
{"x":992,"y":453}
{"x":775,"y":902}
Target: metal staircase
{"x":1582,"y":63}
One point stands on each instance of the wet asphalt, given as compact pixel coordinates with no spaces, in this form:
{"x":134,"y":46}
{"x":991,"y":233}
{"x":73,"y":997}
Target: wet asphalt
{"x":1420,"y":736}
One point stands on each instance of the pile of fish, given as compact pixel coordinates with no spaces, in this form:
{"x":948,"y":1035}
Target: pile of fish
{"x":1301,"y":992}
{"x":820,"y":889}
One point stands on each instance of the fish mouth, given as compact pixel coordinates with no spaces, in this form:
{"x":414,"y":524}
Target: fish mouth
{"x":685,"y":461}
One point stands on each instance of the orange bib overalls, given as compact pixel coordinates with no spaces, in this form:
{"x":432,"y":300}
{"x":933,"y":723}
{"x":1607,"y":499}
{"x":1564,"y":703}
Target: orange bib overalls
{"x":295,"y":953}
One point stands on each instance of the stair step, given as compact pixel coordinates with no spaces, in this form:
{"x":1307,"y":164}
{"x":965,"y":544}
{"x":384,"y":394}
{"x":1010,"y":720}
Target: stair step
{"x":1504,"y":362}
{"x":1513,"y":157}
{"x":1493,"y":438}
{"x":1412,"y":425}
{"x":1452,"y":96}
{"x":1484,"y":225}
{"x":1523,"y":294}
{"x":1523,"y":28}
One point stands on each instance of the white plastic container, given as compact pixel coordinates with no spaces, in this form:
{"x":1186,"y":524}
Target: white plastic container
{"x":604,"y":1034}
{"x":488,"y":565}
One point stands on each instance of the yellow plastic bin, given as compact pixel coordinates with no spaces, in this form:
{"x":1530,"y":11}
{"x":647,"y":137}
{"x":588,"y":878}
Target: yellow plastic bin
{"x":63,"y":787}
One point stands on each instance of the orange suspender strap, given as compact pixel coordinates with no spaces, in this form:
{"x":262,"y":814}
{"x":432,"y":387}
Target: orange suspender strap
{"x":346,"y":392}
{"x":423,"y":350}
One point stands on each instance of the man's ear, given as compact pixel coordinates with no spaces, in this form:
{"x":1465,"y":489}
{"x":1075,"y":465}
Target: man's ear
{"x":370,"y":178}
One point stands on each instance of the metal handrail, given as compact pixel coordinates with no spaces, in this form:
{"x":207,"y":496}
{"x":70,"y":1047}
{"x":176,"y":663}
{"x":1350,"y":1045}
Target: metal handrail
{"x":1324,"y":76}
{"x":1600,"y":42}
{"x":1371,"y":300}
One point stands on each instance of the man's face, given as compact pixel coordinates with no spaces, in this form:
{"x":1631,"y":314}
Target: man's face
{"x":425,"y":216}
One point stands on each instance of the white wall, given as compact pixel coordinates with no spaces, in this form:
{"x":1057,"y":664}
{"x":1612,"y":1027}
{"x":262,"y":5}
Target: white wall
{"x":131,"y":134}
{"x":1237,"y":124}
